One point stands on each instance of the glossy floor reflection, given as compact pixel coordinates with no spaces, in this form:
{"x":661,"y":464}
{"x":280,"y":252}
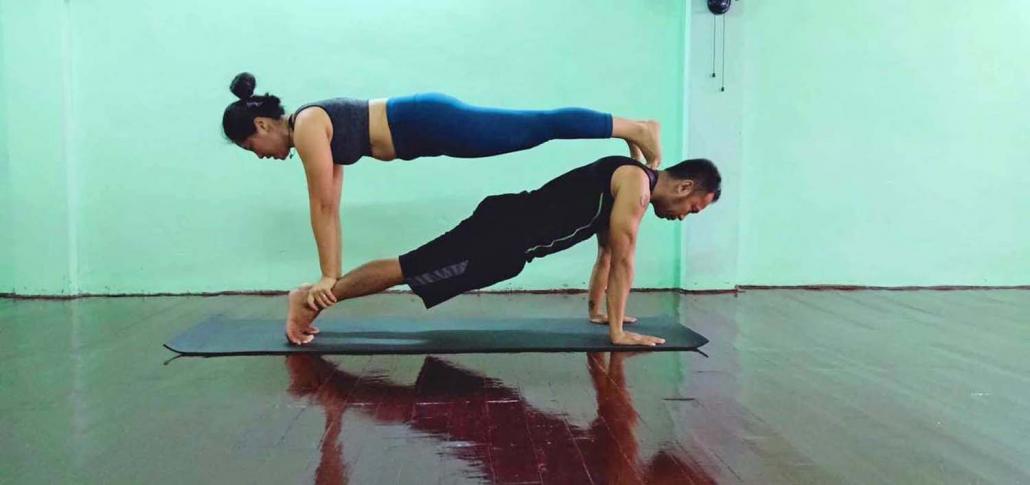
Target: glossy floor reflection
{"x":801,"y":387}
{"x":487,"y":424}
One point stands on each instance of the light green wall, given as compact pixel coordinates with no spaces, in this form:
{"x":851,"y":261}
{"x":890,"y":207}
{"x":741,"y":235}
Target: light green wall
{"x":36,"y":117}
{"x":6,"y":202}
{"x":161,"y":203}
{"x":710,"y":239}
{"x":859,"y":144}
{"x":885,"y":144}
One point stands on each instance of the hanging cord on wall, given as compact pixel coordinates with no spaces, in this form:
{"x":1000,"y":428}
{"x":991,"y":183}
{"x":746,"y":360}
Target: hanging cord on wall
{"x":715,"y":21}
{"x":723,"y":88}
{"x":719,"y":9}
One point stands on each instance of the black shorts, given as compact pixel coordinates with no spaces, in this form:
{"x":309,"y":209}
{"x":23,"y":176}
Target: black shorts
{"x":482,"y":250}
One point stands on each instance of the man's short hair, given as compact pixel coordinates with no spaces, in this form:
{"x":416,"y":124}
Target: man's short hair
{"x":700,"y":170}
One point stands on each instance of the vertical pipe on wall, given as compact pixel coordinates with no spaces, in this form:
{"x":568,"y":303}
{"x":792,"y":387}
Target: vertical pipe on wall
{"x":68,"y":153}
{"x":684,"y":59}
{"x":6,"y":201}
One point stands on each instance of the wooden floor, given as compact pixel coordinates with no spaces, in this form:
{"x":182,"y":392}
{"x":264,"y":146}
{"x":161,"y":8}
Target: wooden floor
{"x":800,"y":387}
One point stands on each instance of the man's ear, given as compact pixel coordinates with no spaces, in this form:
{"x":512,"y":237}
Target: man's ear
{"x":685,"y":187}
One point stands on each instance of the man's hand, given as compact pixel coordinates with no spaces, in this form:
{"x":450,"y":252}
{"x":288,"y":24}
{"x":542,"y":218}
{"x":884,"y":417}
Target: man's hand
{"x":630,"y":338}
{"x":602,"y":319}
{"x":320,"y":296}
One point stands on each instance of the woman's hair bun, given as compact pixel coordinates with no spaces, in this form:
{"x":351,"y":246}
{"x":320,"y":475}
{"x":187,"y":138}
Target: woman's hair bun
{"x":243,"y":85}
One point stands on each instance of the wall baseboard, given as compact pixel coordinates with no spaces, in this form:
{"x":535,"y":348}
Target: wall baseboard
{"x":567,"y":291}
{"x":880,"y":288}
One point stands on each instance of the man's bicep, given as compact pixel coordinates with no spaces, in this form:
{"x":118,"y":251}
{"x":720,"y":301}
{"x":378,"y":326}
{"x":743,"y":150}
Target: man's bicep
{"x":632,"y":195}
{"x":626,"y":214}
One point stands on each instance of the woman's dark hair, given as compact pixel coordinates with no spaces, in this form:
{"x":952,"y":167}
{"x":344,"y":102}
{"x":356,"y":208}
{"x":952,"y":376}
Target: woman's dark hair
{"x":702,"y":171}
{"x":238,"y":119}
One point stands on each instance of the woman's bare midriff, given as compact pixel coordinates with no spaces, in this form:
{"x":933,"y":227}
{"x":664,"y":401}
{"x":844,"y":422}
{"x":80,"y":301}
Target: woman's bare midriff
{"x":379,"y":136}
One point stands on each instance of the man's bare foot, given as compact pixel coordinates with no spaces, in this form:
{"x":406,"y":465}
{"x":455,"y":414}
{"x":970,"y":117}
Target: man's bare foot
{"x":630,"y":338}
{"x":650,"y":142}
{"x":299,"y":330}
{"x":603,"y":319}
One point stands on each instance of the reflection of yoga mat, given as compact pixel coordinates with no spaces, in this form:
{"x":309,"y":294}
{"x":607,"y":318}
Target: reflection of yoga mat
{"x":395,"y":335}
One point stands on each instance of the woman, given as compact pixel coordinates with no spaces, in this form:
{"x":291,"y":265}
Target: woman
{"x":336,"y":132}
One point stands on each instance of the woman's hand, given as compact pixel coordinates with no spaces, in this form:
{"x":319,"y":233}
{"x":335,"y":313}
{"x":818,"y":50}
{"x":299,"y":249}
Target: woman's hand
{"x":320,"y":296}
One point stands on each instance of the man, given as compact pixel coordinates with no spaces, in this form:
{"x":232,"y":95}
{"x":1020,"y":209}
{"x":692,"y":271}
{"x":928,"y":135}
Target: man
{"x":607,"y":198}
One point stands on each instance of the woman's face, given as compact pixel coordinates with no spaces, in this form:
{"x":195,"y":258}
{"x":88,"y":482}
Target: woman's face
{"x":267,"y":141}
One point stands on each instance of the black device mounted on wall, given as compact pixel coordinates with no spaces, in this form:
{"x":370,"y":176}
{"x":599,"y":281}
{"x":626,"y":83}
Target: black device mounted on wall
{"x":719,"y":7}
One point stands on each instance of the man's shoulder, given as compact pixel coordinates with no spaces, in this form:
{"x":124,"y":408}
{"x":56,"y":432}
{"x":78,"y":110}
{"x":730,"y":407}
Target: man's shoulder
{"x":629,"y":180}
{"x":615,"y":160}
{"x":628,"y":171}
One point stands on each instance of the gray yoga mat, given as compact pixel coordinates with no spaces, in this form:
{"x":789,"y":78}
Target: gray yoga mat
{"x":409,"y":335}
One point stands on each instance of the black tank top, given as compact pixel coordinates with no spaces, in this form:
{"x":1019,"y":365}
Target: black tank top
{"x":569,"y":209}
{"x":350,"y":128}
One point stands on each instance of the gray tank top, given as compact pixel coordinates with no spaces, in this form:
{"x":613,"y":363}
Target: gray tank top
{"x":350,"y":127}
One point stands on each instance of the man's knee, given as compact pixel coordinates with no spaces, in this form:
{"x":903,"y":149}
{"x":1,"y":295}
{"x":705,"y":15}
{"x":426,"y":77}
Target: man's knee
{"x":392,"y":271}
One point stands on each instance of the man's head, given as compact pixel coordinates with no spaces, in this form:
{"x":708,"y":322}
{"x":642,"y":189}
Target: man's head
{"x":686,"y":188}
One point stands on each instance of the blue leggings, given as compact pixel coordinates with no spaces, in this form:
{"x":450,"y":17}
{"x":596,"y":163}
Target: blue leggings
{"x":432,"y":124}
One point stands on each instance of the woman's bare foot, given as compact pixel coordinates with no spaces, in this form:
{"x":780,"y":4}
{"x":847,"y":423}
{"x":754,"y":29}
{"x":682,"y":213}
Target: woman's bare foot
{"x":634,"y":152}
{"x":650,"y":142}
{"x":645,"y":135}
{"x":299,"y":330}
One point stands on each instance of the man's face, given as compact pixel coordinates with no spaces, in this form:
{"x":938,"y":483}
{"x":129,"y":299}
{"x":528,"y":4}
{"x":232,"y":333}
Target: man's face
{"x":682,"y":206}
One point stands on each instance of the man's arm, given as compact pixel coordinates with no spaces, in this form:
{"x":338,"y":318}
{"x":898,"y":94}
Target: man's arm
{"x":599,"y":281}
{"x":632,"y":195}
{"x":596,"y":303}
